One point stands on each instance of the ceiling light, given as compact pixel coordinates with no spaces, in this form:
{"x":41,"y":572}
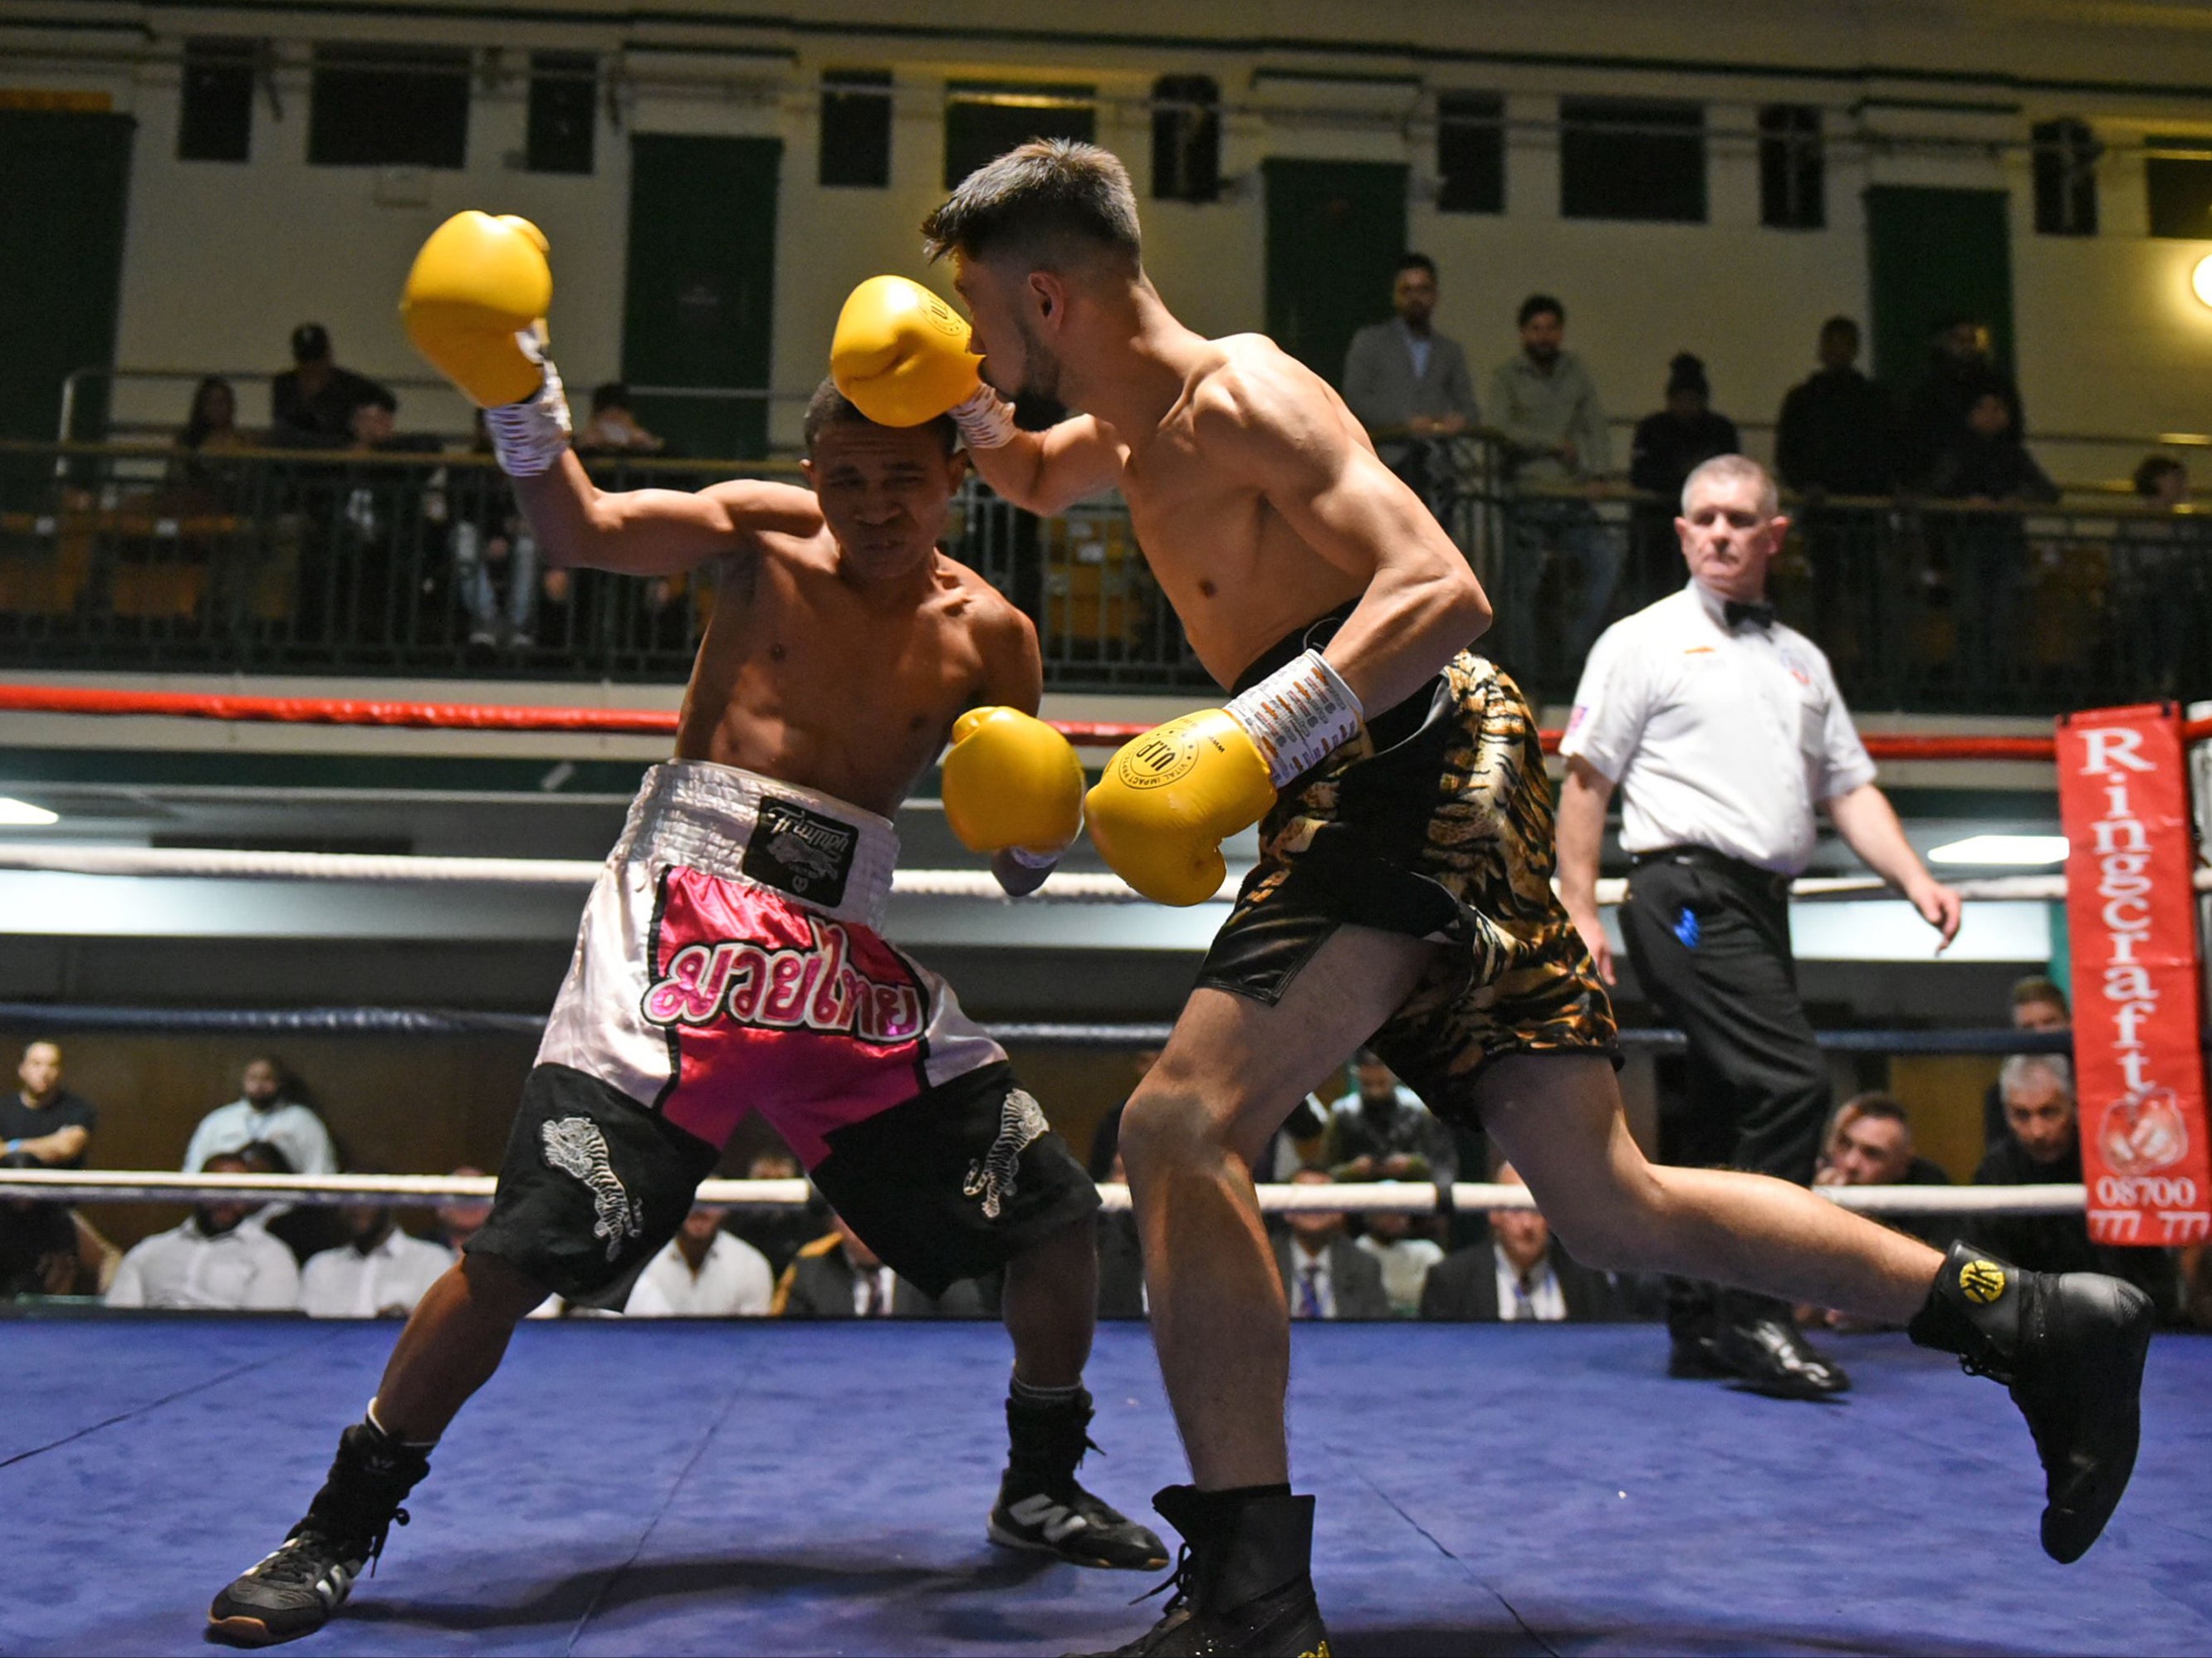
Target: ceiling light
{"x":2025,"y":850}
{"x":21,"y":814}
{"x":2201,"y":279}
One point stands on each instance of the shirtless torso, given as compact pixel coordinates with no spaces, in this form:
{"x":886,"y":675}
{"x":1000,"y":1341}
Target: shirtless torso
{"x":837,"y":662}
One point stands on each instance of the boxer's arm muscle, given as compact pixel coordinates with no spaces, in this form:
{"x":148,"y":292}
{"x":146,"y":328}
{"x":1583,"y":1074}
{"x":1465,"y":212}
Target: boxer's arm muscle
{"x":1423,"y":605}
{"x":1049,"y":471}
{"x":654,"y":531}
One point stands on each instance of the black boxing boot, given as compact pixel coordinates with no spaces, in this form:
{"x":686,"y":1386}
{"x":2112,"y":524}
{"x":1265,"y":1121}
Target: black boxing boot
{"x":1243,"y":1584}
{"x":293,"y":1591}
{"x":1756,"y":1340}
{"x":1041,"y":1506}
{"x":2069,"y":1346}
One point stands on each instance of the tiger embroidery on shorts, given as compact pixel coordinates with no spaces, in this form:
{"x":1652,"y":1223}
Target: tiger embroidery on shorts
{"x":575,"y":1146}
{"x":991,"y":1177}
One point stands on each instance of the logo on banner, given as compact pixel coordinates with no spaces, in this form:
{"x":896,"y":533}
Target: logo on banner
{"x":2131,"y":914}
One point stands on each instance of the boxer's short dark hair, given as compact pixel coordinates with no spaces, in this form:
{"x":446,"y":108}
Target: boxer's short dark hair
{"x":830,"y":407}
{"x":1049,"y":202}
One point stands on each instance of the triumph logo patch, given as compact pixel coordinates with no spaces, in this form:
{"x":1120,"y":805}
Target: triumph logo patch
{"x":991,"y":1177}
{"x":801,"y":853}
{"x":1982,"y":1281}
{"x":575,"y":1146}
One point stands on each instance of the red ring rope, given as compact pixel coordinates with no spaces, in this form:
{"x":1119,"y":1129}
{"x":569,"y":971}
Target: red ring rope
{"x":657,"y":722}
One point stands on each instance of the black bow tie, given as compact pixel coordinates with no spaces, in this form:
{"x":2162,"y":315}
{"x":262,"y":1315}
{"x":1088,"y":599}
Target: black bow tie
{"x":1735,"y":614}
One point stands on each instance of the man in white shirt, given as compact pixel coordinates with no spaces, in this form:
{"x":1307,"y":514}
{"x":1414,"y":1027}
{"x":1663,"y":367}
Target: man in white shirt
{"x":381,"y":1273}
{"x":217,"y":1261}
{"x":1725,"y":732}
{"x":704,"y":1273}
{"x":262,"y":1113}
{"x":1405,"y":1259}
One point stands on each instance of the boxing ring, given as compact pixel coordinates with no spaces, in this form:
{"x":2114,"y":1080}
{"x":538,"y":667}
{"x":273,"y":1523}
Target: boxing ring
{"x":741,"y":1486}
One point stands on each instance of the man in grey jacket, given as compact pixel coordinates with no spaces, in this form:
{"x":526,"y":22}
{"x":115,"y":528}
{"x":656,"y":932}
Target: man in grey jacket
{"x":1410,"y":386}
{"x":1545,"y":406}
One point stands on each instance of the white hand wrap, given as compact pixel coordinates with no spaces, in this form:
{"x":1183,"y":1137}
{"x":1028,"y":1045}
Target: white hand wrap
{"x":1298,"y":715}
{"x":986,"y":421}
{"x":529,"y":436}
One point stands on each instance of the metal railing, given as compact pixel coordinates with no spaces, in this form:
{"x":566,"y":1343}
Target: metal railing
{"x":152,"y":558}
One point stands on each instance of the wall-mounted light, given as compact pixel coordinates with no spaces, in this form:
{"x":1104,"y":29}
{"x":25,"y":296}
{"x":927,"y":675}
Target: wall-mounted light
{"x":2027,"y":851}
{"x":21,"y":814}
{"x":2201,"y":279}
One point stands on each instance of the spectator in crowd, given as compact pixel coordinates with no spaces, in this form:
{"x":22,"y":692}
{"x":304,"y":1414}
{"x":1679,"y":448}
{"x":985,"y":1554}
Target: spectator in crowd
{"x":459,"y":1219}
{"x":1869,"y":1143}
{"x":1668,"y":446}
{"x":1325,"y":1273}
{"x":39,"y":1249}
{"x":704,"y":1273}
{"x":213,"y":423}
{"x":2158,"y":584}
{"x":1836,"y":435}
{"x":1409,"y":386}
{"x":1521,"y":1275}
{"x":1987,"y":462}
{"x":1405,"y":1260}
{"x":1106,"y":1137}
{"x":1545,"y":406}
{"x":1381,"y":1131}
{"x":1960,"y":372}
{"x":262,"y":1113}
{"x":381,"y":1273}
{"x":42,"y":1122}
{"x":2038,"y":1004}
{"x":778,"y":1234}
{"x":312,"y":405}
{"x":2043,"y":1147}
{"x":495,"y":554}
{"x":306,"y":1229}
{"x":2162,"y":482}
{"x":214,"y":1263}
{"x":614,"y":428}
{"x":1681,"y":437}
{"x":840,"y":1277}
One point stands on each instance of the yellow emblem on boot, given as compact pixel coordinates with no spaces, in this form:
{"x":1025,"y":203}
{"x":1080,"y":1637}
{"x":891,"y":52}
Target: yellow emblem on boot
{"x":1981,"y":1281}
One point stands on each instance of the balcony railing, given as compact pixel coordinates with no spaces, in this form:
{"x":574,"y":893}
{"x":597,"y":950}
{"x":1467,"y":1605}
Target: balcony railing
{"x":121,"y":558}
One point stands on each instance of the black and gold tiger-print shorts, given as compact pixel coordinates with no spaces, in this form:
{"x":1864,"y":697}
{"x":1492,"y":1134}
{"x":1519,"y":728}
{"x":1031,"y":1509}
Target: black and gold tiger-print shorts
{"x":1436,"y":823}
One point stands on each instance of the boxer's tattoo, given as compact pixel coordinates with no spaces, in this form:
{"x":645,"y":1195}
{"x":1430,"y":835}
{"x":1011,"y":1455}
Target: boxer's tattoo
{"x":575,"y":1146}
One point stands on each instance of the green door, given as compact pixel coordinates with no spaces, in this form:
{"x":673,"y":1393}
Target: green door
{"x":699,"y":304}
{"x":1933,"y":254}
{"x":62,"y":191}
{"x":1334,"y":232}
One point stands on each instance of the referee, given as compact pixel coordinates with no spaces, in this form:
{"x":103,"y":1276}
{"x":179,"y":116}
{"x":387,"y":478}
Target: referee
{"x":1724,"y":730}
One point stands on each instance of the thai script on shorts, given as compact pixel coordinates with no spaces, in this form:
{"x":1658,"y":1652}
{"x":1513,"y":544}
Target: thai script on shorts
{"x":811,"y":987}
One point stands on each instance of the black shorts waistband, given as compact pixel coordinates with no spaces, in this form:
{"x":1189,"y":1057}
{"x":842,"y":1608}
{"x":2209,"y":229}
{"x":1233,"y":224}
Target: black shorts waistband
{"x":1764,"y":881}
{"x":1386,"y":729}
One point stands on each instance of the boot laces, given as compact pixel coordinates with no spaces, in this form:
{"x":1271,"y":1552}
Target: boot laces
{"x":309,"y":1552}
{"x":1178,"y":1579}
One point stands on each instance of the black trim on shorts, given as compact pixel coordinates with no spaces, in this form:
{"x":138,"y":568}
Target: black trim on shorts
{"x":956,"y":1182}
{"x":593,"y":1187}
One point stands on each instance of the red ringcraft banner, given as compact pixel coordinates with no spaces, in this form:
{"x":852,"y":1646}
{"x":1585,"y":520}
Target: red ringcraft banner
{"x":2132,"y":919}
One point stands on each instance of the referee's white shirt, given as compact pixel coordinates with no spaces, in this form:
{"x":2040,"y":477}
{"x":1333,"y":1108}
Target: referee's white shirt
{"x":1716,"y":738}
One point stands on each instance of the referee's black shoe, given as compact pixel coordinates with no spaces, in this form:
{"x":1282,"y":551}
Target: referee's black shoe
{"x":2070,"y":1347}
{"x":1756,"y":1341}
{"x":293,"y":1591}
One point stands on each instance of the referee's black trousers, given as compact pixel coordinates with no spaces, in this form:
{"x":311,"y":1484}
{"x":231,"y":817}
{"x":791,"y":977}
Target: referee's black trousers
{"x":1709,"y":939}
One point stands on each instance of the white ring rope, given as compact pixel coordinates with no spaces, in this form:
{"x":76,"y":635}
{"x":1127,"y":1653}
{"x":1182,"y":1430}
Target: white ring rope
{"x":1398,"y":1196}
{"x":1064,"y":887}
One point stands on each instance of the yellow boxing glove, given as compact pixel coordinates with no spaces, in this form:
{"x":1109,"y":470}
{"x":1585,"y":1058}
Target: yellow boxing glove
{"x":1012,"y":784}
{"x":900,"y":354}
{"x":474,"y":305}
{"x":1167,"y":800}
